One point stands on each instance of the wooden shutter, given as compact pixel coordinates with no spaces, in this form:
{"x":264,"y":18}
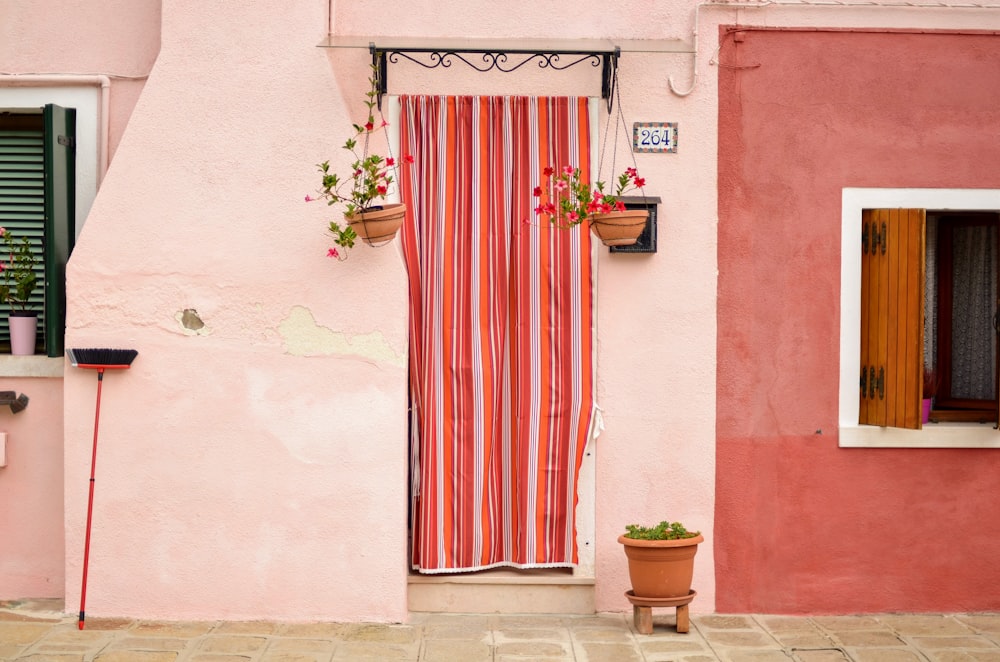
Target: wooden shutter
{"x":60,"y":219}
{"x":892,"y":317}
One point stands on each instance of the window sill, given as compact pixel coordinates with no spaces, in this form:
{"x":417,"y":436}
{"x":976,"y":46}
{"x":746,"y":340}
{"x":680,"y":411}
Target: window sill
{"x":31,"y":366}
{"x":934,"y":435}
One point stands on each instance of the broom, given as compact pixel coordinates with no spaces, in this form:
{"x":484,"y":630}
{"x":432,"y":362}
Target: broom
{"x":99,"y":360}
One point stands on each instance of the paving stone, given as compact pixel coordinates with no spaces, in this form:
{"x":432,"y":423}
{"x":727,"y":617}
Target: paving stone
{"x":456,"y":651}
{"x":22,"y":633}
{"x":355,"y":650}
{"x":539,"y":648}
{"x":531,"y":621}
{"x":295,"y":657}
{"x":741,"y":638}
{"x":755,"y":656}
{"x":283,"y":645}
{"x":458,"y":632}
{"x":879,"y":638}
{"x":247,"y":627}
{"x":916,"y":624}
{"x":838,"y":623}
{"x":212,"y":657}
{"x":45,"y":657}
{"x":149,"y":644}
{"x":136,"y":656}
{"x":725,"y":622}
{"x":885,"y":655}
{"x":981,"y":622}
{"x":232,"y":644}
{"x":187,"y":629}
{"x":601,"y":634}
{"x":521,"y":634}
{"x":803,"y":639}
{"x":313,"y":630}
{"x":533,"y":658}
{"x":953,"y":642}
{"x":8,"y":651}
{"x":387,"y":634}
{"x":595,"y":652}
{"x":965,"y":656}
{"x":672,"y":646}
{"x":106,"y":624}
{"x":786,"y":623}
{"x":825,"y":655}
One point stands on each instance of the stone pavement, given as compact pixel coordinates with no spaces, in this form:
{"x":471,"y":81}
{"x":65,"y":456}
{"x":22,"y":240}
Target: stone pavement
{"x":39,"y":632}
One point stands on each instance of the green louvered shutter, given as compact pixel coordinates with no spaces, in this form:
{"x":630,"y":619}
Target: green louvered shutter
{"x":22,"y":199}
{"x":60,"y":225}
{"x":37,"y":200}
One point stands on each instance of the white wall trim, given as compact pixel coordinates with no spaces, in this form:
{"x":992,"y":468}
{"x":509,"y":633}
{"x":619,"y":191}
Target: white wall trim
{"x":853,"y":201}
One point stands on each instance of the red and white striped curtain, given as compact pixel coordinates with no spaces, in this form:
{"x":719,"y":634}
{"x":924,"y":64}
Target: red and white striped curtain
{"x":501,"y":331}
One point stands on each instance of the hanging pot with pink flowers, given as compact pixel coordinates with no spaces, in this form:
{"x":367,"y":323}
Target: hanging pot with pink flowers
{"x":566,"y":199}
{"x":364,"y":191}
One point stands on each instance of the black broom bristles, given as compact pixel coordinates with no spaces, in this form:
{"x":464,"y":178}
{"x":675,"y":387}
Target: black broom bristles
{"x":102,"y":357}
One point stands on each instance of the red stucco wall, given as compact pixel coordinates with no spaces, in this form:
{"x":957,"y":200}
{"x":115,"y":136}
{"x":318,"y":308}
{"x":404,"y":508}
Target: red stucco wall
{"x":803,"y":525}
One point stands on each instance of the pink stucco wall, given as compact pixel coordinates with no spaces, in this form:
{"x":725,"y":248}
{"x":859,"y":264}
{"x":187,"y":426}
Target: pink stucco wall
{"x":31,"y":492}
{"x":802,"y":525}
{"x":256,"y":467}
{"x":60,"y":46}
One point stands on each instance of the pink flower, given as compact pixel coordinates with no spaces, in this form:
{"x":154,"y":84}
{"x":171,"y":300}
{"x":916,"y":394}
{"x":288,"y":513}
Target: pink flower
{"x":308,"y":199}
{"x":560,"y":185}
{"x":568,"y":170}
{"x":384,"y":124}
{"x":572,"y":217}
{"x":332,"y":253}
{"x":537,"y":192}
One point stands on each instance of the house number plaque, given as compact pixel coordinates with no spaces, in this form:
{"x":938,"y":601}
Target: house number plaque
{"x":654,"y":137}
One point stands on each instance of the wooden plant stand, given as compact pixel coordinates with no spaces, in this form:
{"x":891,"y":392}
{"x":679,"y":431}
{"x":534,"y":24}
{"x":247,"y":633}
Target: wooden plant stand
{"x":642,"y":611}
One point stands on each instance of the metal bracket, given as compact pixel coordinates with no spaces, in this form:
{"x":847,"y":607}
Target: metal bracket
{"x":499,"y":59}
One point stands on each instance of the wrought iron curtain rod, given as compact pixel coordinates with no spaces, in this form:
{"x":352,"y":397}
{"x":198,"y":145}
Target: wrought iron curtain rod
{"x":499,"y":59}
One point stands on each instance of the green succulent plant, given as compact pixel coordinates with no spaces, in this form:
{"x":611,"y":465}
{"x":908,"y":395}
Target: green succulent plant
{"x":662,"y":531}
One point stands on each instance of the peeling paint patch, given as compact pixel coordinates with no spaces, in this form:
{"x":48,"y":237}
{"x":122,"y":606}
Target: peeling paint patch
{"x":191,"y":322}
{"x":303,"y":337}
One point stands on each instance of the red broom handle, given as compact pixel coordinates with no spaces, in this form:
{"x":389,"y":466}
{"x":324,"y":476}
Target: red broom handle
{"x":90,"y":501}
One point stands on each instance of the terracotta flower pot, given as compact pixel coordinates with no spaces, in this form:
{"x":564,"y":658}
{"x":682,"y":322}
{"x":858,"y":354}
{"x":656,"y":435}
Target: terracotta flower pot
{"x":661,"y":568}
{"x":378,"y":226}
{"x":619,"y":228}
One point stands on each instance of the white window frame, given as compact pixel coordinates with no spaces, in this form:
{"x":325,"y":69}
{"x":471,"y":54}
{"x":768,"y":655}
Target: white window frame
{"x":851,"y":434}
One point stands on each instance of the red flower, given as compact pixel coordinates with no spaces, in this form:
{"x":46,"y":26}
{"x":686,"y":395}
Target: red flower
{"x":390,"y":161}
{"x":369,"y":126}
{"x":537,"y":192}
{"x":407,"y":158}
{"x":548,"y":171}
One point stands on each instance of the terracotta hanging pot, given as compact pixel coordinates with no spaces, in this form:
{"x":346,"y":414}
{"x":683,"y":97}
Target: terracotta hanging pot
{"x":661,"y":568}
{"x":619,"y":228}
{"x":23,"y":332}
{"x":377,"y":225}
